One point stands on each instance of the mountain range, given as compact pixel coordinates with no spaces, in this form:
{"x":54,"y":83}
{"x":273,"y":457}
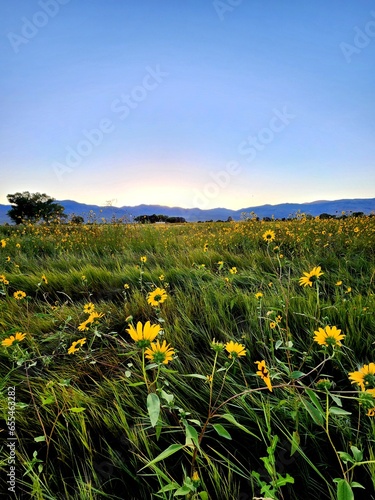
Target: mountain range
{"x":283,"y":210}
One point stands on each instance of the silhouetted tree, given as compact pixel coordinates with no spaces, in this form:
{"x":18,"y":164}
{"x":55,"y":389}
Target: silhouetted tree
{"x":33,"y":207}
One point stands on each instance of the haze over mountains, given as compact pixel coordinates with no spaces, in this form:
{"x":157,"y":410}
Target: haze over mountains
{"x":283,"y":210}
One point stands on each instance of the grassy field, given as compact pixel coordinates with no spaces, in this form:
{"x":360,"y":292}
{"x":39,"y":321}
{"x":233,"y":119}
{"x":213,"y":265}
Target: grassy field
{"x":254,"y":378}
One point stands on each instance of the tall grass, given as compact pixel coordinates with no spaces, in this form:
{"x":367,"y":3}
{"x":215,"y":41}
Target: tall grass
{"x":100,"y":422}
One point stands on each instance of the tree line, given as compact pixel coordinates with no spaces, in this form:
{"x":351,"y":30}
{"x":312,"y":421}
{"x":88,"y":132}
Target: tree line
{"x":35,"y":207}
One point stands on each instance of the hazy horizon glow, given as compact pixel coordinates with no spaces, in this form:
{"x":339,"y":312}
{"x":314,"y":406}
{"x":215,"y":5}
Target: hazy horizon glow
{"x":189,"y":104}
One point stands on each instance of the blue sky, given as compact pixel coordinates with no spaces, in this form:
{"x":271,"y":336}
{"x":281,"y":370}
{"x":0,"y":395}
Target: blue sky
{"x":188,"y":102}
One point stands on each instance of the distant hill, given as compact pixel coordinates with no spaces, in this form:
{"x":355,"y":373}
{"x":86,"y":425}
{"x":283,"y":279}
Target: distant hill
{"x":283,"y":210}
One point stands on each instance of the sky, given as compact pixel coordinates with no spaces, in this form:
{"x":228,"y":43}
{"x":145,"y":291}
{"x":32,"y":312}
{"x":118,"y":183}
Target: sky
{"x":189,"y":103}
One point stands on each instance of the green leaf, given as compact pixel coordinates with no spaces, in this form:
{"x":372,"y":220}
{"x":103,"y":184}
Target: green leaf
{"x":191,"y":436}
{"x":65,"y":382}
{"x":282,"y":481}
{"x":278,"y":344}
{"x":314,"y":413}
{"x":169,"y":487}
{"x":336,"y":399}
{"x":39,"y":439}
{"x":158,"y":429}
{"x":345,"y":457}
{"x":344,"y":490}
{"x":315,"y":400}
{"x":194,"y":421}
{"x":232,"y":420}
{"x":173,"y":448}
{"x":221,"y":431}
{"x":153,"y":408}
{"x":167,"y":397}
{"x":21,"y":406}
{"x":295,"y":442}
{"x":48,"y":400}
{"x":183,"y":491}
{"x":195,"y":375}
{"x":357,"y":454}
{"x":296,"y":374}
{"x":77,"y":410}
{"x":338,"y":411}
{"x":151,"y":366}
{"x":354,"y":484}
{"x":203,"y":495}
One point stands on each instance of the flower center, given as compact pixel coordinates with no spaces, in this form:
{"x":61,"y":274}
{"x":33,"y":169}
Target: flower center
{"x":369,"y":379}
{"x":331,"y":341}
{"x":159,"y":357}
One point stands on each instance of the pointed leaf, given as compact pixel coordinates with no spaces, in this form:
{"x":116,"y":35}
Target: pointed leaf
{"x":314,"y":413}
{"x":183,"y":491}
{"x":344,"y":490}
{"x":232,"y":420}
{"x":338,"y":411}
{"x":336,"y":399}
{"x":296,"y":374}
{"x":77,"y":410}
{"x":314,"y":398}
{"x":221,"y":431}
{"x":191,"y":436}
{"x":357,"y":454}
{"x":345,"y":457}
{"x":295,"y":442}
{"x":153,"y":408}
{"x":354,"y":484}
{"x":169,"y":487}
{"x":173,"y":448}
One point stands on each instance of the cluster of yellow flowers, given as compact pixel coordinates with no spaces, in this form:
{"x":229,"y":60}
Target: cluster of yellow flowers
{"x":144,"y":336}
{"x":93,"y":316}
{"x":73,"y":348}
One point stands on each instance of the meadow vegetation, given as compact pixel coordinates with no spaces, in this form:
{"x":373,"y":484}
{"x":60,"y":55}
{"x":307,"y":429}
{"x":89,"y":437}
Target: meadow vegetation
{"x":200,"y":361}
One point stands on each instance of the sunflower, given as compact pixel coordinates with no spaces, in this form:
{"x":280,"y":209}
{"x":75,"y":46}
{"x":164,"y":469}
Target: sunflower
{"x":258,"y":295}
{"x":364,"y":376}
{"x":19,"y":295}
{"x":233,"y":270}
{"x":158,"y":296}
{"x":91,"y":319}
{"x":159,"y":353}
{"x":328,"y":336}
{"x":269,"y":236}
{"x":143,"y":335}
{"x":89,"y":308}
{"x":44,"y":279}
{"x":17,"y":337}
{"x":263,"y":373}
{"x":309,"y":278}
{"x":143,"y":259}
{"x":235,"y":349}
{"x":73,"y":348}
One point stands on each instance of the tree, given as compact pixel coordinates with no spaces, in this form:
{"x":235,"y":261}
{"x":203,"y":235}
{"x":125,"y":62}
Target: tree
{"x":33,"y":207}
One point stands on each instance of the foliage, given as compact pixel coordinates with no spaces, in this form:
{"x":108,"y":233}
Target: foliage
{"x":198,"y":361}
{"x":32,"y":207}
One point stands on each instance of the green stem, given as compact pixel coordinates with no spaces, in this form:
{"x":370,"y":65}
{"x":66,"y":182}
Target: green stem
{"x":212,"y":382}
{"x":329,"y":437}
{"x":144,"y":370}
